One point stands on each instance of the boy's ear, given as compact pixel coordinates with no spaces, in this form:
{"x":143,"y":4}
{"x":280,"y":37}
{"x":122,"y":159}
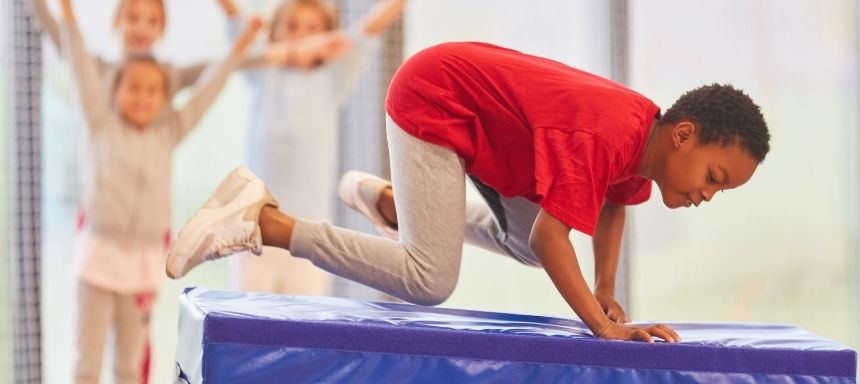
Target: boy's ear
{"x":683,"y":132}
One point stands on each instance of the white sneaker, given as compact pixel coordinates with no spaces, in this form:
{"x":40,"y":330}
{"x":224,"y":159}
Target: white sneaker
{"x":226,"y":224}
{"x":360,"y":191}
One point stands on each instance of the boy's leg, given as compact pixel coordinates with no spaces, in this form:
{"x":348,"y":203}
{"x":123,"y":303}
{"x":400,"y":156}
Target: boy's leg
{"x":501,"y":224}
{"x":497,"y":224}
{"x":430,"y":196}
{"x":132,"y":330}
{"x":421,"y":268}
{"x":95,"y":314}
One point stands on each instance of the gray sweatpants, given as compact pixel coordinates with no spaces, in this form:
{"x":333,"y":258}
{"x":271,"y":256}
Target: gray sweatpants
{"x":434,"y":221}
{"x":99,"y":311}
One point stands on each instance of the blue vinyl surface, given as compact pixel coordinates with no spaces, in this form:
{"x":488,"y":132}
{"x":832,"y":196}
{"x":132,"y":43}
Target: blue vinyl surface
{"x":247,"y":338}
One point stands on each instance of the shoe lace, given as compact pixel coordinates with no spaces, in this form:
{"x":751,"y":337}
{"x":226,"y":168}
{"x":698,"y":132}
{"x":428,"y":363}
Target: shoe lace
{"x":228,"y":242}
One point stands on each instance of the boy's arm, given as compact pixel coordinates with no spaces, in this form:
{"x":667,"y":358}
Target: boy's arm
{"x":607,"y":247}
{"x":550,"y":242}
{"x":193,"y":111}
{"x":94,"y":101}
{"x":47,"y":21}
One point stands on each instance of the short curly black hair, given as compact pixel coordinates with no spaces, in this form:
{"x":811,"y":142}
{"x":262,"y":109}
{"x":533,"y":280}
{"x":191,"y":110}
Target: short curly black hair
{"x":724,"y":115}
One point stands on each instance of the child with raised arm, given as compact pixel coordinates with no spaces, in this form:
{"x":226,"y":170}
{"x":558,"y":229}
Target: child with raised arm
{"x":140,"y":24}
{"x":551,"y":148}
{"x":121,"y":248}
{"x":293,"y":121}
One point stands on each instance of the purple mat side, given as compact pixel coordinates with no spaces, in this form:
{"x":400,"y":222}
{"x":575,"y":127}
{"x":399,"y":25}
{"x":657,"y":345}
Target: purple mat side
{"x":225,"y":328}
{"x":348,"y":325}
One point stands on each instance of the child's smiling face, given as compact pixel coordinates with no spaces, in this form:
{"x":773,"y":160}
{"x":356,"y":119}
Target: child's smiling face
{"x":140,"y":93}
{"x":299,"y":21}
{"x":141,"y":24}
{"x":693,"y":172}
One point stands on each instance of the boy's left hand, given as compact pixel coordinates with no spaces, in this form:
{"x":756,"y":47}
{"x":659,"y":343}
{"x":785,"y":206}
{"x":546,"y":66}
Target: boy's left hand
{"x":611,"y":307}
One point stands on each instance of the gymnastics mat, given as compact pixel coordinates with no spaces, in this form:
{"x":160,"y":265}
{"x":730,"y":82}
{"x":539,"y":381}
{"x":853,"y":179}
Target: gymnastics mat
{"x":232,"y":337}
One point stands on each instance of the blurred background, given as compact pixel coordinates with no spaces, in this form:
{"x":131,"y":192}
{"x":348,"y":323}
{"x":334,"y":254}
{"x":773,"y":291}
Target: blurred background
{"x":782,"y":249}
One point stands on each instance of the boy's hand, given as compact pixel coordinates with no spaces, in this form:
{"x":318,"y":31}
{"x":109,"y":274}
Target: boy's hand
{"x":615,"y":331}
{"x":611,"y":307}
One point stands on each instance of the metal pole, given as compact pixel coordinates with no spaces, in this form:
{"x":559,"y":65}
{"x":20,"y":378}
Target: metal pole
{"x":620,"y":72}
{"x":26,"y":239}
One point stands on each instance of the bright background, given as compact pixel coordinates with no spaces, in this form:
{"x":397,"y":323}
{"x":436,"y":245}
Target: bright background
{"x":781,"y":249}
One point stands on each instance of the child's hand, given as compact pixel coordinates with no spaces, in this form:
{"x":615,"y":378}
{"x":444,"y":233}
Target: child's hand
{"x":247,"y":36}
{"x":615,"y":331}
{"x":68,"y":11}
{"x":315,"y":50}
{"x":229,"y":7}
{"x":333,"y":45}
{"x":611,"y":307}
{"x":308,"y":52}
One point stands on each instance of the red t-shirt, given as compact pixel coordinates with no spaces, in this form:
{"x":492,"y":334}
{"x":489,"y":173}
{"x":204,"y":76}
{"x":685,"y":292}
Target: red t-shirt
{"x":528,"y":126}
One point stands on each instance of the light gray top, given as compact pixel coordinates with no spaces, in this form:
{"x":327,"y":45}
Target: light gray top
{"x":127,"y":178}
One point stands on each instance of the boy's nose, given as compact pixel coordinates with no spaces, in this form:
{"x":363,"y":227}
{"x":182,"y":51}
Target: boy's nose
{"x":708,"y":195}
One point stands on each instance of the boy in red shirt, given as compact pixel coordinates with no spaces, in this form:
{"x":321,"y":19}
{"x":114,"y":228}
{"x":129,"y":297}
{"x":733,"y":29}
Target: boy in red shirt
{"x":550,"y":148}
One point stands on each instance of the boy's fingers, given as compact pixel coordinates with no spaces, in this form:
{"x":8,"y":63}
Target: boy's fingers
{"x":670,"y":331}
{"x":617,"y":316}
{"x":661,"y":333}
{"x":642,"y":335}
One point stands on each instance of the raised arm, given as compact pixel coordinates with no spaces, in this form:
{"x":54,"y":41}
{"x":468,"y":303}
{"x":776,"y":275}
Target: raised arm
{"x":230,"y":8}
{"x":607,"y":248}
{"x":550,"y":242}
{"x":188,"y":75}
{"x":192,"y":112}
{"x":381,"y":17}
{"x":49,"y":24}
{"x":93,"y":99}
{"x":256,"y":56}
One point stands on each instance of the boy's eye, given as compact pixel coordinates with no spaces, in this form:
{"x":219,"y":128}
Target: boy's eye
{"x":711,"y":178}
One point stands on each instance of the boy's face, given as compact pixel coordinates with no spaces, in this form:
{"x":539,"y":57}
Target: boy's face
{"x":299,"y":21}
{"x":693,"y":172}
{"x":140,"y":93}
{"x":141,"y":25}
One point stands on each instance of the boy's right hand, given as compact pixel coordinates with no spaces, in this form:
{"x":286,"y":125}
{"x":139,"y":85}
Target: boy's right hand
{"x":615,"y":331}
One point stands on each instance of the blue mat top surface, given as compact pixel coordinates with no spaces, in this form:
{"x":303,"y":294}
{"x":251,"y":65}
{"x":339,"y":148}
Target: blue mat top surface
{"x":328,"y":322}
